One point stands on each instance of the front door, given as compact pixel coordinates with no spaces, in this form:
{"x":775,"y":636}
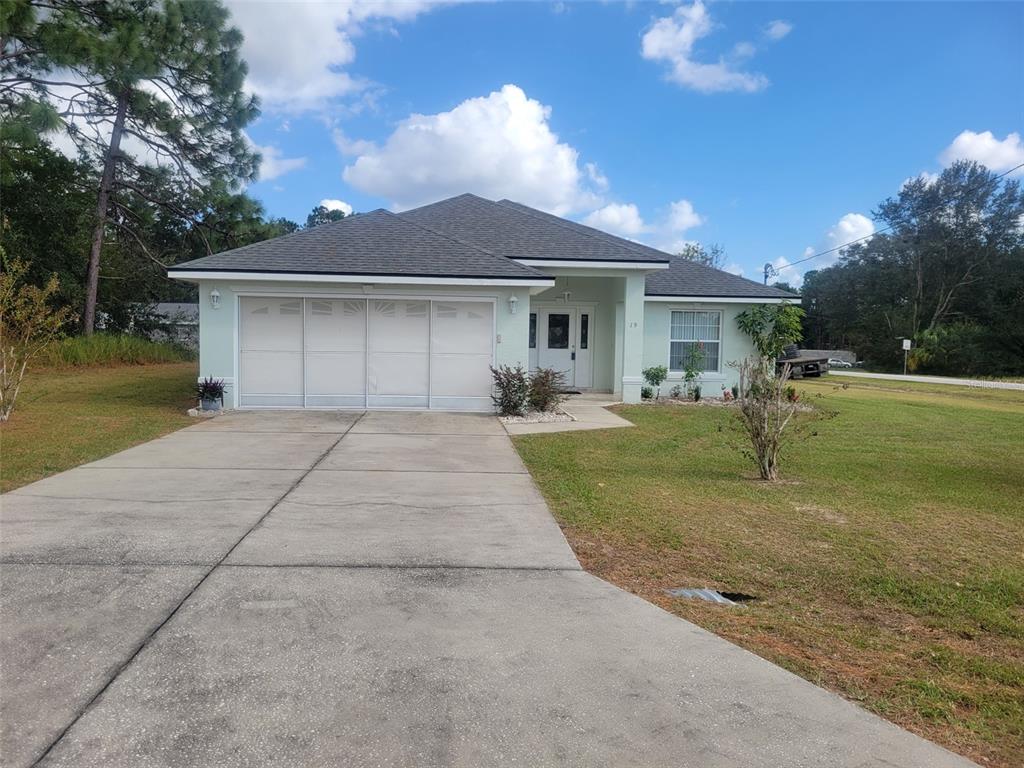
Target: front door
{"x":556,"y":341}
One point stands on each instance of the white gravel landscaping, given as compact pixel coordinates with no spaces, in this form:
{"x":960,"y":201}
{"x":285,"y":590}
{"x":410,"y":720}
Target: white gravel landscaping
{"x":538,"y":417}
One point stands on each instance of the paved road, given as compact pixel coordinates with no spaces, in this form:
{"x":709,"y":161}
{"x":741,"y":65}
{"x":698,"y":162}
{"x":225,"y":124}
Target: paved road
{"x":931,"y":379}
{"x":301,"y":589}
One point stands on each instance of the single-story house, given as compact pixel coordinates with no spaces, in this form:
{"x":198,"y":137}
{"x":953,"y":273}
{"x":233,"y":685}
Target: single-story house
{"x":410,"y":310}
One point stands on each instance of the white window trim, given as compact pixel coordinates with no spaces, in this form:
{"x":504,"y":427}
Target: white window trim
{"x":709,"y":374}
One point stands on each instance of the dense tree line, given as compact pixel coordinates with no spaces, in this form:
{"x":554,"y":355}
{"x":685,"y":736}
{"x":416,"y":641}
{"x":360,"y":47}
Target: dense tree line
{"x":47,"y":213}
{"x":946,"y":272}
{"x":145,"y":99}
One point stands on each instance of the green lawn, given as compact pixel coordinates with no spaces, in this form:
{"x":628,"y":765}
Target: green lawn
{"x":67,"y":417}
{"x":888,"y":564}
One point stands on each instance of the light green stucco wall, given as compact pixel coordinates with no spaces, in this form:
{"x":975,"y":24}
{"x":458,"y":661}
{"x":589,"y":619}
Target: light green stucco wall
{"x":218,"y":329}
{"x":604,"y":293}
{"x":736,"y":345}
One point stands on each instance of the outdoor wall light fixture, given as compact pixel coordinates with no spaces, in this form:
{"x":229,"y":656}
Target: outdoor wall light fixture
{"x":215,"y":298}
{"x":513,"y":304}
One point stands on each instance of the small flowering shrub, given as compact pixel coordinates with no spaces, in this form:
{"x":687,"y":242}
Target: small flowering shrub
{"x":511,"y":390}
{"x":546,"y":389}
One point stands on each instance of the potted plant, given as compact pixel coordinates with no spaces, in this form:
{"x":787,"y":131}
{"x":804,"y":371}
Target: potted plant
{"x":210,"y":392}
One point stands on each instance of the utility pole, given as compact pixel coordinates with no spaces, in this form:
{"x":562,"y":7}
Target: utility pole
{"x":769,"y":271}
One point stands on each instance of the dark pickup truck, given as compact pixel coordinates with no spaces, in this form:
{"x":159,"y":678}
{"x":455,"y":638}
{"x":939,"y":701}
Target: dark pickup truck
{"x":801,"y":364}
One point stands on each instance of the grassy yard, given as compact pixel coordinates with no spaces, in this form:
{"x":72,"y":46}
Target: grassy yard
{"x":66,"y":417}
{"x":887,"y":565}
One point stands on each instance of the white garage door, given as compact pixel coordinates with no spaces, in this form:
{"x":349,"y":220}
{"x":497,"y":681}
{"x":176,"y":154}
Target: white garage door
{"x":356,"y":353}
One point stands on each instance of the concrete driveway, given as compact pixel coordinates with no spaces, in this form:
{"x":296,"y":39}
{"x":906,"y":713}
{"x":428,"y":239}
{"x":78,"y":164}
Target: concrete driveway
{"x":380,"y":589}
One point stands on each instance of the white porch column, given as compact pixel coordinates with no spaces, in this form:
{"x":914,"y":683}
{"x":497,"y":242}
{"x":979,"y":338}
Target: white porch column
{"x":617,"y":352}
{"x":632,"y":337}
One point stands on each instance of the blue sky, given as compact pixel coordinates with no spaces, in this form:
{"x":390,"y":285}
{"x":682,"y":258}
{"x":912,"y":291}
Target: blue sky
{"x":769,"y":128}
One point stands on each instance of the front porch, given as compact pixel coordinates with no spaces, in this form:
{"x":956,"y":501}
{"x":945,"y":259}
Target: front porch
{"x":590,"y":326}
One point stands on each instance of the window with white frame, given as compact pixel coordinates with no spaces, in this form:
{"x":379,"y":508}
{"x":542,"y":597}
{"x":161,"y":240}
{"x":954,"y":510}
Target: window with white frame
{"x":695,"y":331}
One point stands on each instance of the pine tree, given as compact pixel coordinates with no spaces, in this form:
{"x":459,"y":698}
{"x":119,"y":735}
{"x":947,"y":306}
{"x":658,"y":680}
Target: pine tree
{"x":149,"y":91}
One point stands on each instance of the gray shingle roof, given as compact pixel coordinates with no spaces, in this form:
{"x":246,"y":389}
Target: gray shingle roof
{"x":517,"y":232}
{"x":376,"y":243}
{"x":468,"y":237}
{"x":688,"y":278}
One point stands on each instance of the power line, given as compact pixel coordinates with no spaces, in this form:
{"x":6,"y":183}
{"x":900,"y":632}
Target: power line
{"x":776,"y":270}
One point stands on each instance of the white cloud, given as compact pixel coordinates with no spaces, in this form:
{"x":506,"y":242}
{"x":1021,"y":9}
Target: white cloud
{"x":794,"y":277}
{"x":996,"y":155}
{"x":778,"y":29}
{"x":296,"y":51}
{"x":274,"y":164}
{"x":617,"y":218}
{"x":499,"y":145}
{"x":744,"y":50}
{"x":734,"y":269}
{"x":337,"y":205}
{"x":598,"y":179}
{"x":672,"y":39}
{"x":852,"y":226}
{"x":350,"y":147}
{"x":665,"y":233}
{"x":682,"y":216}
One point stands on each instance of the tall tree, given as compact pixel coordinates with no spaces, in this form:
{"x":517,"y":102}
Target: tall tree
{"x":710,"y":256}
{"x":945,"y":232}
{"x":48,"y":207}
{"x":323,"y":215}
{"x":150,"y":91}
{"x":949,"y":273}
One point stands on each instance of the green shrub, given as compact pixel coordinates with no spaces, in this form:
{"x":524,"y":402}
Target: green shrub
{"x":511,"y":390}
{"x":646,"y":393}
{"x":696,"y":393}
{"x":546,"y":389}
{"x":654,"y":376}
{"x":108,"y":349}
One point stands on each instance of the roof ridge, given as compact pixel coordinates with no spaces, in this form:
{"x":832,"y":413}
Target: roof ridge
{"x":454,"y":239}
{"x":575,"y":226}
{"x":457,"y":240}
{"x":286,"y":236}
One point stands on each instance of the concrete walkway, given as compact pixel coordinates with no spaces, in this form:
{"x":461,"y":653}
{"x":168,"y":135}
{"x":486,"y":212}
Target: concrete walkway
{"x":588,"y":411}
{"x":982,"y":383}
{"x":303,"y":589}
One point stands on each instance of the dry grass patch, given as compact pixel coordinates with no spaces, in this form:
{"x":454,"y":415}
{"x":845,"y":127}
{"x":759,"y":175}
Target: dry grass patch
{"x":888,"y":567}
{"x":64,"y":418}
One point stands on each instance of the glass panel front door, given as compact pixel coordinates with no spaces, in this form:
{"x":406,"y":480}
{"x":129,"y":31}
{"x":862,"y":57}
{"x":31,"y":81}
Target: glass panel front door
{"x":557,"y":342}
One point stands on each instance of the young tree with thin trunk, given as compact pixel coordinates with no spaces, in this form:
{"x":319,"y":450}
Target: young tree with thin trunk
{"x":764,"y":409}
{"x":149,"y":91}
{"x":28,"y":323}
